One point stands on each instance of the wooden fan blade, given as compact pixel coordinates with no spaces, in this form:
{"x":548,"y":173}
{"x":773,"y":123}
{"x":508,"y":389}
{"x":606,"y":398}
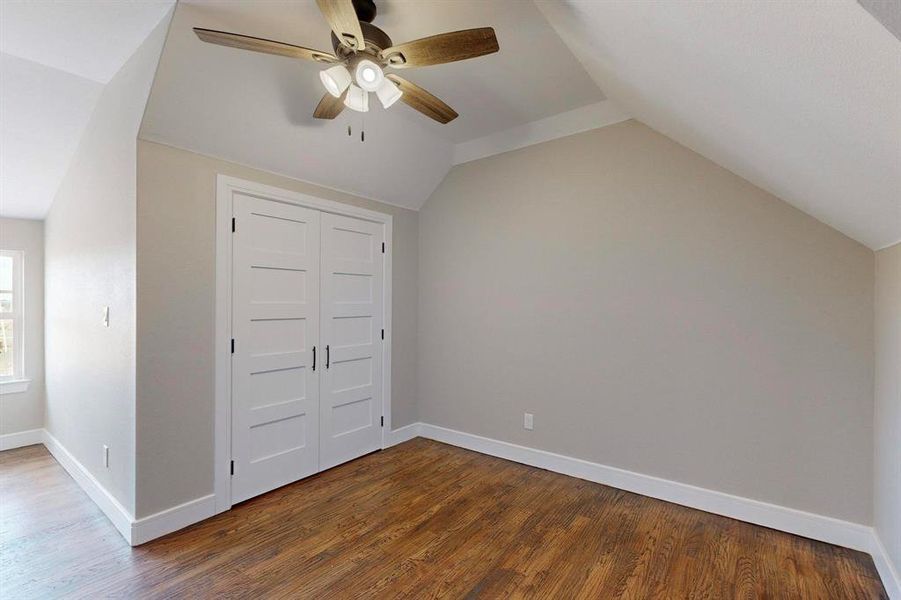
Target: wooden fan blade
{"x":442,"y":48}
{"x":342,"y":18}
{"x":423,"y":101}
{"x":246,"y":42}
{"x":329,"y":107}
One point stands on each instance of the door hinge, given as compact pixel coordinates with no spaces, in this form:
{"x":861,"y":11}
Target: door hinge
{"x":383,"y":247}
{"x":233,"y":224}
{"x":233,"y":345}
{"x":233,"y":467}
{"x":383,"y":334}
{"x":383,"y":421}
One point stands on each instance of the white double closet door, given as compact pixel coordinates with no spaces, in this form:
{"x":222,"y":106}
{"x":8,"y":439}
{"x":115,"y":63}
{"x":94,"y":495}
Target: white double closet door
{"x":307,"y":358}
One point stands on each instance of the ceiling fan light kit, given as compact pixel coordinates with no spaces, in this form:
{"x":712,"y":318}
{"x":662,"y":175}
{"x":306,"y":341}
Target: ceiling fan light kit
{"x":363,"y":52}
{"x":368,"y":75}
{"x":357,"y":99}
{"x":335,"y":79}
{"x":388,"y":93}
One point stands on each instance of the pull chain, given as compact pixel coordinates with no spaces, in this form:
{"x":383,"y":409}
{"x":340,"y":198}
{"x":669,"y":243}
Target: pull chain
{"x":362,"y":128}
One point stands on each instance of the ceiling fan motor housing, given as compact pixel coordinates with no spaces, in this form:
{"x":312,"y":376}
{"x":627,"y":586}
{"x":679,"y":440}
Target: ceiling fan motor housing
{"x":375,"y":38}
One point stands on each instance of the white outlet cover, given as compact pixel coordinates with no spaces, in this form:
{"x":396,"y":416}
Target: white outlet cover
{"x":528,"y":421}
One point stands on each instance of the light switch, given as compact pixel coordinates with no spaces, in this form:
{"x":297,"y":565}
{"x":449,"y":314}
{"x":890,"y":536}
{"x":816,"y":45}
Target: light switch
{"x":106,"y":316}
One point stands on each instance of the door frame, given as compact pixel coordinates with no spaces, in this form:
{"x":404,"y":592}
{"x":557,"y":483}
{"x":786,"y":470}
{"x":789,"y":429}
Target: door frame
{"x":226,"y":187}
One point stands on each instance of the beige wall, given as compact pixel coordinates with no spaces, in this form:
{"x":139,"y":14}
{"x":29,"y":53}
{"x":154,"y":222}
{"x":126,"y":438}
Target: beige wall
{"x":656,"y":313}
{"x":176,"y":285}
{"x":25,"y":410}
{"x":888,"y":402}
{"x":89,"y":252}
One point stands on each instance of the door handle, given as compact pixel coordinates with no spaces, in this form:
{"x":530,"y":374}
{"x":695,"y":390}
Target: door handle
{"x":327,"y":356}
{"x":314,"y":358}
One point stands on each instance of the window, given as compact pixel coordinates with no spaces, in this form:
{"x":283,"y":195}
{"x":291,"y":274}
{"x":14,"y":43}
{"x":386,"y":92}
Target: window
{"x":12,"y":346}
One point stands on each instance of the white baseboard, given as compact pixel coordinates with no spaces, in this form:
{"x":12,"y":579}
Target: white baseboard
{"x":172,"y":519}
{"x":115,"y":512}
{"x":134,"y":531}
{"x":178,"y":517}
{"x":818,"y":527}
{"x":810,"y":525}
{"x":403,"y":434}
{"x":21,"y":438}
{"x":891,"y":579}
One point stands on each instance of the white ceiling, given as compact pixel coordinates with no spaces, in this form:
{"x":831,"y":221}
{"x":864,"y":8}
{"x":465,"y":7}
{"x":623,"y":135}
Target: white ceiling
{"x":55,"y":59}
{"x":257,"y":109}
{"x":89,"y":39}
{"x":887,"y":12}
{"x":800,"y":98}
{"x":533,"y":76}
{"x":43,"y":112}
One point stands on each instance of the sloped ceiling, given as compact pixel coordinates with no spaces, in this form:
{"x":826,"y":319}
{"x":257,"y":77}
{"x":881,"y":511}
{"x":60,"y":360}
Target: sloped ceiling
{"x":43,"y":113}
{"x":55,"y":58}
{"x":887,"y":12}
{"x":800,"y":98}
{"x":89,"y":39}
{"x":257,"y":109}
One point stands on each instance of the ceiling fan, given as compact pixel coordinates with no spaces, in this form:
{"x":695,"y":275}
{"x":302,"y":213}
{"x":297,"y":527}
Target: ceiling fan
{"x":362,"y":52}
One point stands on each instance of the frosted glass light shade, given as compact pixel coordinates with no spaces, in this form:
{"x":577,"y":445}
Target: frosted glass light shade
{"x":388,"y":93}
{"x":368,"y":75}
{"x":335,"y":79}
{"x":357,"y":99}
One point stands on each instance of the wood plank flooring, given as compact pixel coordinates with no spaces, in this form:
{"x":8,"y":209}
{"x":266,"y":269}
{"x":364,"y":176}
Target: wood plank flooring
{"x":420,"y":520}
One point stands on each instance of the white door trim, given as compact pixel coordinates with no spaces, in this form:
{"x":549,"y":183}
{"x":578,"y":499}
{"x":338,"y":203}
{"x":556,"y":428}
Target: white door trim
{"x":226,"y":187}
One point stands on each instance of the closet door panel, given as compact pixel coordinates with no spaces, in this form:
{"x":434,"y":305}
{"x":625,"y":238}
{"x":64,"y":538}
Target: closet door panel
{"x":275,"y":323}
{"x":352,"y":303}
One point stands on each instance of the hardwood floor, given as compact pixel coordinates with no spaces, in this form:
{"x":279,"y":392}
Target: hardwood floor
{"x":420,"y":520}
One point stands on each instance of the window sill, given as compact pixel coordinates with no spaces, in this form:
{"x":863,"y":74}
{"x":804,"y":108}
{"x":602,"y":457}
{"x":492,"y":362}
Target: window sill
{"x":15,"y":386}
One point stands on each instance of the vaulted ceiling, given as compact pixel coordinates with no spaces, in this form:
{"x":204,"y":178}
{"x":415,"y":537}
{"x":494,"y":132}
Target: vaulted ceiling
{"x":55,"y":58}
{"x":800,"y":98}
{"x":257,"y":109}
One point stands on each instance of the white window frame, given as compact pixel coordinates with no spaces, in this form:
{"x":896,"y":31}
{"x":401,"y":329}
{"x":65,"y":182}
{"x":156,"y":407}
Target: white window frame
{"x":17,"y":382}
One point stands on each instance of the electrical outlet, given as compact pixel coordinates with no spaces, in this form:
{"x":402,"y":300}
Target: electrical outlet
{"x":527,"y":421}
{"x":106,"y":456}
